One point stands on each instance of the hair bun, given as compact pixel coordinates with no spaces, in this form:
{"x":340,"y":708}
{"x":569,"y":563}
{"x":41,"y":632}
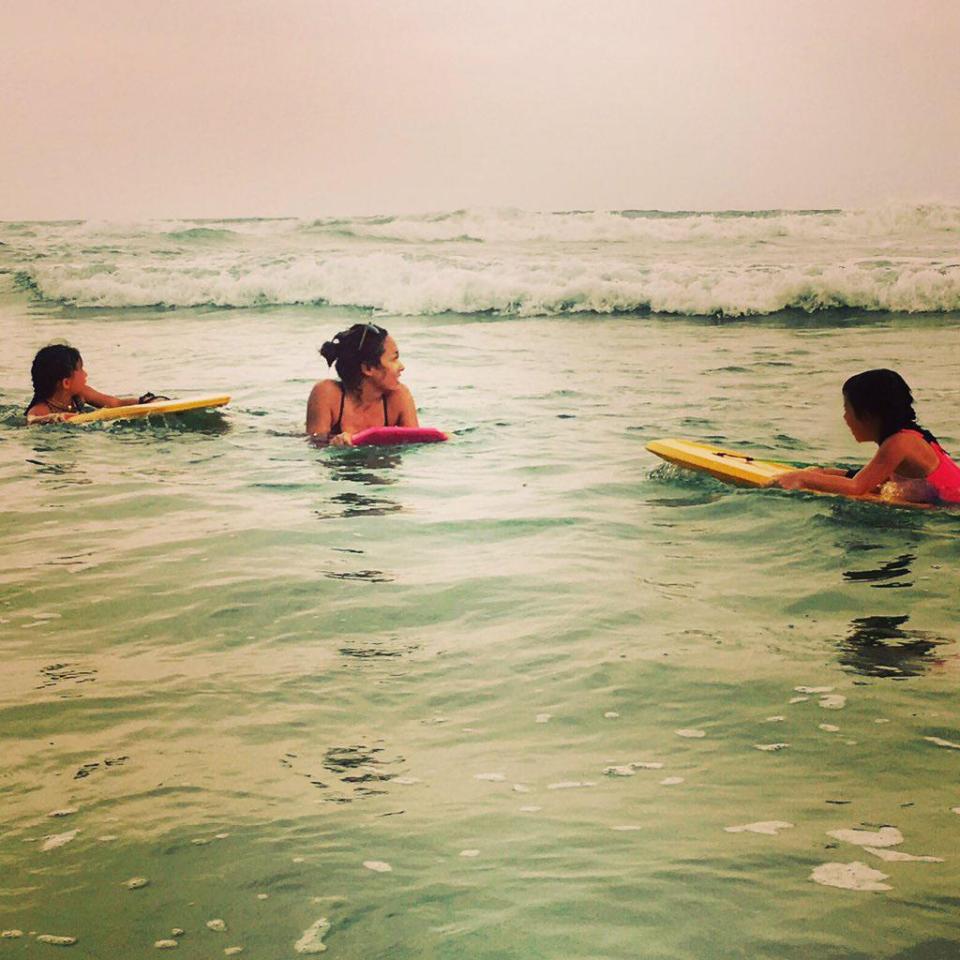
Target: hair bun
{"x":330,"y":351}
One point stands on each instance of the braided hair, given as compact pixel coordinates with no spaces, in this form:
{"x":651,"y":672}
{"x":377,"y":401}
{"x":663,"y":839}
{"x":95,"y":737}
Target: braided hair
{"x":52,"y":364}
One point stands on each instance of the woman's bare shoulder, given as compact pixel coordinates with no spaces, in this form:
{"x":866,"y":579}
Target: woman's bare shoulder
{"x":325,"y":388}
{"x":400,"y":394}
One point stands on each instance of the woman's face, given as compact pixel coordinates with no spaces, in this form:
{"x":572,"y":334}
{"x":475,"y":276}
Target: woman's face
{"x":862,"y":429}
{"x":387,"y":375}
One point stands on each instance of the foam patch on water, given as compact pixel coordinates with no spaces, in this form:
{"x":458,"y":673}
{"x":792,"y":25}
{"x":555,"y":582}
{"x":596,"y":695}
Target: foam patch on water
{"x":835,"y":702}
{"x":232,"y":951}
{"x":469,"y":853}
{"x":814,"y":689}
{"x":769,"y":827}
{"x":55,"y":840}
{"x":520,"y":788}
{"x":55,"y":940}
{"x":670,"y":781}
{"x":611,"y":715}
{"x":940,"y":742}
{"x":491,"y":777}
{"x":629,"y":769}
{"x":898,"y":856}
{"x":690,"y":733}
{"x":850,"y":876}
{"x":627,"y":827}
{"x":884,"y":837}
{"x":405,"y":781}
{"x":166,"y":944}
{"x":377,"y":866}
{"x":798,"y":699}
{"x":312,"y":939}
{"x":770,"y":747}
{"x":65,"y":812}
{"x":10,"y":934}
{"x":217,"y":925}
{"x":829,"y":727}
{"x":776,"y":719}
{"x":531,"y":808}
{"x":544,"y":717}
{"x":570,"y":784}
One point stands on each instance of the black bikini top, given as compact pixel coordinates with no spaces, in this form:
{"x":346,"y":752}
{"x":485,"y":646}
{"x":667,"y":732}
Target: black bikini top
{"x":337,"y":428}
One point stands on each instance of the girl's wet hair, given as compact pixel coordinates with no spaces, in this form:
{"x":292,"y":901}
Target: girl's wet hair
{"x":52,"y":364}
{"x":885,"y":396}
{"x":349,"y":349}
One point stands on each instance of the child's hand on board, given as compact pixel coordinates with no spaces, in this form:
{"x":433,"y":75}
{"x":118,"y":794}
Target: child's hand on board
{"x":791,"y":481}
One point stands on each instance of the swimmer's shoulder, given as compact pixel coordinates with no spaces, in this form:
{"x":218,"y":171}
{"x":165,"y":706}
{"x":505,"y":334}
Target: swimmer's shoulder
{"x":41,"y":413}
{"x":401,"y":407}
{"x":326,"y":390}
{"x":400,"y":394}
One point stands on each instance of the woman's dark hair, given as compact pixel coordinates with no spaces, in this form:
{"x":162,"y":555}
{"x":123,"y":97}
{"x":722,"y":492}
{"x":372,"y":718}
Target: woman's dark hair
{"x":362,"y":343}
{"x":52,"y":364}
{"x":884,"y":396}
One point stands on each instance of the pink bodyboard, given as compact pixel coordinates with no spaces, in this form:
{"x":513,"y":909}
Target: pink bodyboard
{"x":390,"y":436}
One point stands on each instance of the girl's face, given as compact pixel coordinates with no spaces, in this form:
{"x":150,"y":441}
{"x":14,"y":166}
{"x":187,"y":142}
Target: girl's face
{"x":76,"y":381}
{"x":862,"y":429}
{"x":387,"y":375}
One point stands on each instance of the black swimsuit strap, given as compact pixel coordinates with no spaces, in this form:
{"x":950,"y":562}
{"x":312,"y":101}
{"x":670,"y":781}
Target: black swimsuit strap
{"x":338,"y":426}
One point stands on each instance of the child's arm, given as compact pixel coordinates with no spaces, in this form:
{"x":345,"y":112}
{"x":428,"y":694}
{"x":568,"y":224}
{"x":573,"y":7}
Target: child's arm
{"x":97,"y":399}
{"x":880,"y":469}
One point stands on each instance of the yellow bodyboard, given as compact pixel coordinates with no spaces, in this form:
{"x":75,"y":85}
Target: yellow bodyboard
{"x":730,"y":466}
{"x":743,"y":469}
{"x":135,"y":410}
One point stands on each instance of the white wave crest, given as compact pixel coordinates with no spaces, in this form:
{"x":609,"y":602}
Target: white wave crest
{"x":399,"y":284}
{"x":901,"y":259}
{"x":523,"y":227}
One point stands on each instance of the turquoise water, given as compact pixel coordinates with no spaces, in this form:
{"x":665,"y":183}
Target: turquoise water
{"x":252,"y":666}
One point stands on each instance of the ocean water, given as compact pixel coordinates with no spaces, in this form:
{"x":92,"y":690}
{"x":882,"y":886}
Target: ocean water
{"x":534,"y":672}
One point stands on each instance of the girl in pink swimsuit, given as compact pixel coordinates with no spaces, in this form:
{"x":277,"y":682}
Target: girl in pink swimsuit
{"x":878,"y":407}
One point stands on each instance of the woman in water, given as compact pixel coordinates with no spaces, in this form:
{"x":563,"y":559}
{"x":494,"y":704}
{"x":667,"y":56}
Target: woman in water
{"x":368,"y":393}
{"x":878,"y":407}
{"x":60,"y":387}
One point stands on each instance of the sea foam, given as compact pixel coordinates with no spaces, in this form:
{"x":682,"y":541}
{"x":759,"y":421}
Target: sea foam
{"x":507,"y":262}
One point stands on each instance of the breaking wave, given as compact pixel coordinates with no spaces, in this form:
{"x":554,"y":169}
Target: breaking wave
{"x":898,"y":259}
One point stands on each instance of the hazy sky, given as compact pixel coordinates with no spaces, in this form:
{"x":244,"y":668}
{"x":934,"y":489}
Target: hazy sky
{"x":165,"y":108}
